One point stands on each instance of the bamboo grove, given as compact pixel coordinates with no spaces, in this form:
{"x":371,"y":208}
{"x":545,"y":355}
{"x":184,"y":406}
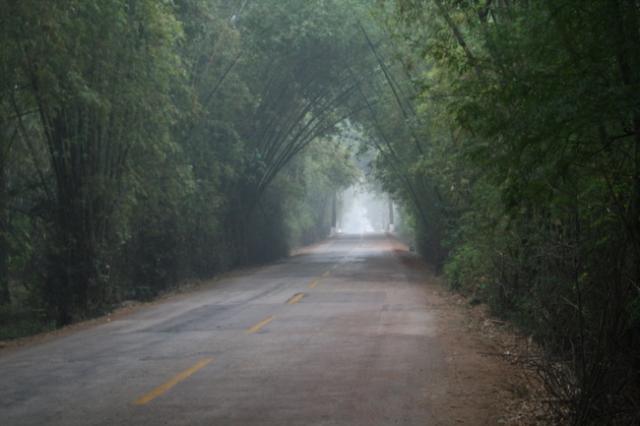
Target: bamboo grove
{"x":526,"y":189}
{"x":147,"y":142}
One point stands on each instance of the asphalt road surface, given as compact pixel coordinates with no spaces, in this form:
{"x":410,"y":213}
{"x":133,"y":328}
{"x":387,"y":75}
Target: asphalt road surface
{"x":338,"y":335}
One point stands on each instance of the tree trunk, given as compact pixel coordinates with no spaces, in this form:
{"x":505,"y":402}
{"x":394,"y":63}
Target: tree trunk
{"x":73,"y":275}
{"x":628,"y":60}
{"x":334,"y":213}
{"x":391,"y":221}
{"x":5,"y":296}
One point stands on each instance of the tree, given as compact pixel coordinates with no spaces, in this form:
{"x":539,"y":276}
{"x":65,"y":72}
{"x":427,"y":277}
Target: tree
{"x":151,"y":141}
{"x":98,"y":74}
{"x":533,"y":102}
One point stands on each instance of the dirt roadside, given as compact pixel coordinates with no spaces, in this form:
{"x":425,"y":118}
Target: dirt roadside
{"x":486,"y":384}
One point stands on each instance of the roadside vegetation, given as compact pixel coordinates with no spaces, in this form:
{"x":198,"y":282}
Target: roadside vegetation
{"x":145,"y":142}
{"x":518,"y":158}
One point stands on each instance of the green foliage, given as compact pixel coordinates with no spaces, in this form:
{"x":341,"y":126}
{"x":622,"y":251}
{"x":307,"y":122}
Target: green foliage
{"x":146,"y":142}
{"x":16,"y":321}
{"x":313,"y":180}
{"x":530,"y":176}
{"x":98,"y":74}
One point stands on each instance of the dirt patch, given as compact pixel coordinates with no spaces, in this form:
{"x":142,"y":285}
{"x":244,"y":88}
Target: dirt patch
{"x":305,"y":250}
{"x":487,"y":382}
{"x":487,"y":377}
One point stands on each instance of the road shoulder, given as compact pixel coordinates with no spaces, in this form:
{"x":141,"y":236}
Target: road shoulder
{"x":486,"y":381}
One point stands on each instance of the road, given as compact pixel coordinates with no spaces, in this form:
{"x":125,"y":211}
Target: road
{"x":341,"y":334}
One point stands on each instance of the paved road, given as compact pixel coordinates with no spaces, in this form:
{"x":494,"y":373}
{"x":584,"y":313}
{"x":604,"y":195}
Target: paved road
{"x":339,"y":335}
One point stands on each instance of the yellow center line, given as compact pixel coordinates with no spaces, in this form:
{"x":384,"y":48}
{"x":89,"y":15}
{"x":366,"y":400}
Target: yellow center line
{"x":259,"y":325}
{"x":313,"y":284}
{"x":326,"y":274}
{"x":295,"y":298}
{"x":164,"y":388}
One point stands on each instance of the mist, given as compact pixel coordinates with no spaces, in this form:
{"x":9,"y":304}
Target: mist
{"x":363,"y":211}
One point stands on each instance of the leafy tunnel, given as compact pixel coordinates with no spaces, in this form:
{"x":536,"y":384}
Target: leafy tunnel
{"x":145,"y":143}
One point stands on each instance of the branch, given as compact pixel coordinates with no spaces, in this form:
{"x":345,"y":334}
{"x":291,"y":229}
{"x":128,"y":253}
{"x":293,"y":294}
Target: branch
{"x":390,"y":82}
{"x":459,"y":37}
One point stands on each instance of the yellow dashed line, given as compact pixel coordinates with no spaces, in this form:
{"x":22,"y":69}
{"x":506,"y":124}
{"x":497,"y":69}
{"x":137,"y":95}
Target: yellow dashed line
{"x":259,"y":325}
{"x":295,"y":298}
{"x":164,"y":388}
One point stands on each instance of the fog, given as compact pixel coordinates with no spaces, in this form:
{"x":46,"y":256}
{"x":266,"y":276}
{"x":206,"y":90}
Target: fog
{"x":363,"y":210}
